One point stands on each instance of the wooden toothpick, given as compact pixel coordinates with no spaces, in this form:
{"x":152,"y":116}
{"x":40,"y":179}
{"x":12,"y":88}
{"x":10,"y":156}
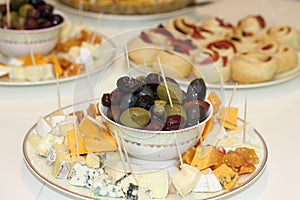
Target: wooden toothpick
{"x":8,"y":12}
{"x":127,"y":59}
{"x":30,"y":49}
{"x":165,"y":82}
{"x":245,"y":120}
{"x":58,"y":94}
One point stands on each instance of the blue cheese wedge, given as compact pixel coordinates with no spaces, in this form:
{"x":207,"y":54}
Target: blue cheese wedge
{"x":107,"y":188}
{"x":54,"y":150}
{"x":84,"y":176}
{"x":62,"y":165}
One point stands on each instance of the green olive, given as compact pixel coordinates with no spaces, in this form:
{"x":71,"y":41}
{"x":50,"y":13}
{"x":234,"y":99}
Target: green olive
{"x":23,"y":9}
{"x":135,"y":117}
{"x":175,"y":110}
{"x":17,"y":22}
{"x":174,"y":90}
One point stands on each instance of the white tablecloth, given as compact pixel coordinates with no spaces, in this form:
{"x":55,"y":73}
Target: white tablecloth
{"x":274,"y":111}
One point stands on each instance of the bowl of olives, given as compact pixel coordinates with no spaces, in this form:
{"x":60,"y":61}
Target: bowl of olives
{"x":31,"y":25}
{"x":152,"y":124}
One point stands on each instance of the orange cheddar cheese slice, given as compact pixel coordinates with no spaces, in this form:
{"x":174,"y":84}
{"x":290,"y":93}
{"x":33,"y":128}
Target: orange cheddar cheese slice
{"x":206,"y":156}
{"x":74,"y":149}
{"x":228,"y":117}
{"x":215,"y":101}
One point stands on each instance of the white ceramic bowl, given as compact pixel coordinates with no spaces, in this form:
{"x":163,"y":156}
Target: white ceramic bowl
{"x":156,"y":145}
{"x":14,"y":43}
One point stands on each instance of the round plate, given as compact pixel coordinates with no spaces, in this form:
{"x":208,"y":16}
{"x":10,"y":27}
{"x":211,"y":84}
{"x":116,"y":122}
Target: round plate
{"x":71,"y":10}
{"x":106,"y":48}
{"x":279,"y":78}
{"x":39,"y":167}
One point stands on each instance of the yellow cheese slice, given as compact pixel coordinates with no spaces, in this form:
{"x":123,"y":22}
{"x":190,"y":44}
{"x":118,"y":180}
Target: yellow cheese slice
{"x":96,"y":139}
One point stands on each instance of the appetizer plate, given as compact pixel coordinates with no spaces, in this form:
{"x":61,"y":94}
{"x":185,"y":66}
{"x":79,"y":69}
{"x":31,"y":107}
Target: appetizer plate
{"x":106,"y":50}
{"x":278,"y":78}
{"x":39,"y":167}
{"x":84,"y":13}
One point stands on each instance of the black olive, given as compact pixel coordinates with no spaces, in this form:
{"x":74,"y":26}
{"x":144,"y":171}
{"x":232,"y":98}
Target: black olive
{"x":128,"y":101}
{"x":196,"y":90}
{"x":195,"y":114}
{"x":145,"y":102}
{"x":153,"y":80}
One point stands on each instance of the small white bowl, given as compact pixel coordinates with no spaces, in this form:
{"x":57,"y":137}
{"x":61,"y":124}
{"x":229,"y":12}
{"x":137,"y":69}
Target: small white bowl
{"x":14,"y":43}
{"x":156,"y":145}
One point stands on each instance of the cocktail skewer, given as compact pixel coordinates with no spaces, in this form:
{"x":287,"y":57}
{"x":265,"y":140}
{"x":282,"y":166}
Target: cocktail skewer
{"x":245,"y":120}
{"x":30,"y":49}
{"x":171,"y":104}
{"x":127,"y":60}
{"x":8,"y":12}
{"x":58,"y":94}
{"x":165,"y":82}
{"x":94,"y":33}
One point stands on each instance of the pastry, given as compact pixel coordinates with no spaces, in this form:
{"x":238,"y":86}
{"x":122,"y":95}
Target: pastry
{"x":218,"y":26}
{"x":189,"y":27}
{"x":250,"y":25}
{"x":253,"y":67}
{"x":284,"y":34}
{"x":211,"y":66}
{"x":286,"y":56}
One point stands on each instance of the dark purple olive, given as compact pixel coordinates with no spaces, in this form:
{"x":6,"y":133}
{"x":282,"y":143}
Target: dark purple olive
{"x":128,"y":84}
{"x":196,"y":90}
{"x":45,"y":10}
{"x":174,"y":122}
{"x":153,"y":80}
{"x":56,"y":19}
{"x":195,"y":114}
{"x":116,"y":96}
{"x":145,"y":102}
{"x":114,"y":113}
{"x":45,"y":24}
{"x":36,"y":3}
{"x":128,"y":101}
{"x":154,"y":126}
{"x":31,"y":24}
{"x":33,"y":13}
{"x":105,"y":100}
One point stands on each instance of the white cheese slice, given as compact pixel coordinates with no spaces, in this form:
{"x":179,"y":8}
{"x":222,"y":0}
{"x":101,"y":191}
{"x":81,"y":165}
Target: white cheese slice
{"x":57,"y":119}
{"x":43,"y":127}
{"x":186,"y":179}
{"x":208,"y":182}
{"x":17,"y":73}
{"x":46,"y":143}
{"x":157,"y":182}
